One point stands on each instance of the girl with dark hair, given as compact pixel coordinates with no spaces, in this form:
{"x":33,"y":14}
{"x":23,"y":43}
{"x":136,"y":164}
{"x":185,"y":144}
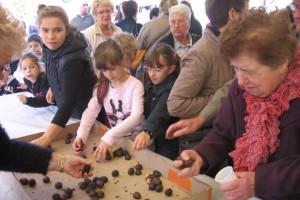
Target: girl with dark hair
{"x":163,"y":68}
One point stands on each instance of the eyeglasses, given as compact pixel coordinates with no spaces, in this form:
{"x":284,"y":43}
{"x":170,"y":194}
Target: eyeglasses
{"x":155,"y":69}
{"x":108,"y":11}
{"x":294,"y":7}
{"x":179,"y":22}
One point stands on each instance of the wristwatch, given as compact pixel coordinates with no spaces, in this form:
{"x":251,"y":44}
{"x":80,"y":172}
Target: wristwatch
{"x":149,"y":133}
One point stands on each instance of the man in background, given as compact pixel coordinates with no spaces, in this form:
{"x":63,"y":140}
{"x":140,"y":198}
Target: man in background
{"x":84,"y":19}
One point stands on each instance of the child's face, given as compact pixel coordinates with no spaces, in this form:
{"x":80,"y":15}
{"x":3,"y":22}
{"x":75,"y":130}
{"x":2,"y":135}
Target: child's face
{"x":53,"y":32}
{"x":30,"y":69}
{"x":158,"y":74}
{"x":114,"y":74}
{"x":35,"y":47}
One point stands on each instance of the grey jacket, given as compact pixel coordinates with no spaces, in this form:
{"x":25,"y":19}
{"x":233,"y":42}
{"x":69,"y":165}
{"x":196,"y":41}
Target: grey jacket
{"x":203,"y":71}
{"x":152,"y":31}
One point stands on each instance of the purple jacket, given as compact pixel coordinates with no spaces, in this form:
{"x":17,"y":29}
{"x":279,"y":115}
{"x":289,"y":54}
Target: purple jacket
{"x":277,"y":179}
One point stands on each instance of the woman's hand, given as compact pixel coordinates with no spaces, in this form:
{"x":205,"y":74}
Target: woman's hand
{"x":78,"y":145}
{"x":22,"y":98}
{"x":73,"y":165}
{"x":194,"y":170}
{"x":141,"y":141}
{"x":22,"y":86}
{"x":242,"y":188}
{"x":102,"y":150}
{"x":50,"y":97}
{"x":185,"y":126}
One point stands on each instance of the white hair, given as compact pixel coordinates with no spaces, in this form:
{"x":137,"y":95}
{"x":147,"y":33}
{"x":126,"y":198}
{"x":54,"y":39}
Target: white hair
{"x":180,"y":9}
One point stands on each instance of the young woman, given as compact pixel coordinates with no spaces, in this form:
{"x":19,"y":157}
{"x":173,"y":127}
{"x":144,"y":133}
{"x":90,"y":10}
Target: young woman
{"x":68,"y":68}
{"x":20,"y":156}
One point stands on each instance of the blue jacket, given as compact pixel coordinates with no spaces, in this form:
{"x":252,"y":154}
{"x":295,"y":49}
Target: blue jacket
{"x":130,"y":26}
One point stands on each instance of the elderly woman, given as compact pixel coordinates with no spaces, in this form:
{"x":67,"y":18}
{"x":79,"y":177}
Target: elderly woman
{"x":258,"y":125}
{"x":103,"y":28}
{"x":179,"y":38}
{"x":19,"y":156}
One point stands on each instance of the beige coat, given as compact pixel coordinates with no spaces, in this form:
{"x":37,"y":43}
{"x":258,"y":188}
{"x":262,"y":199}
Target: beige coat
{"x":203,"y":71}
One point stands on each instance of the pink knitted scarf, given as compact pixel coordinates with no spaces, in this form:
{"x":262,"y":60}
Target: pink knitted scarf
{"x":262,"y":124}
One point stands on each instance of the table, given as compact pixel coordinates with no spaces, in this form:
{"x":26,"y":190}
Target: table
{"x":20,"y":120}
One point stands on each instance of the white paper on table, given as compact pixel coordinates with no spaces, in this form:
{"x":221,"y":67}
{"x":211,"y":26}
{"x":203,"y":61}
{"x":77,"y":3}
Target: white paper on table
{"x":21,"y":120}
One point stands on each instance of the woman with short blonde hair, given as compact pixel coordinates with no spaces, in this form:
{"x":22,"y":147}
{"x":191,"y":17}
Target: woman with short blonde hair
{"x":103,"y":28}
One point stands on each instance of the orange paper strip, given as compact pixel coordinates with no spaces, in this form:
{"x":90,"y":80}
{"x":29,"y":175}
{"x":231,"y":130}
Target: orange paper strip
{"x":181,"y":182}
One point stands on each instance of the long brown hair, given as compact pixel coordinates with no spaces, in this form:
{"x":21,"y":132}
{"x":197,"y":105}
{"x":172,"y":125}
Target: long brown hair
{"x":106,"y":53}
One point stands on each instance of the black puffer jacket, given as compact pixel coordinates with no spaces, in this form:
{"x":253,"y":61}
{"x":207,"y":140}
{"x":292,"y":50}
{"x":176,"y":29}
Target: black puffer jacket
{"x":169,"y":39}
{"x":70,"y":77}
{"x":39,"y":89}
{"x":158,"y":118}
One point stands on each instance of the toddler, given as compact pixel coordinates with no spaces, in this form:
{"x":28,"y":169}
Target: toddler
{"x":34,"y":80}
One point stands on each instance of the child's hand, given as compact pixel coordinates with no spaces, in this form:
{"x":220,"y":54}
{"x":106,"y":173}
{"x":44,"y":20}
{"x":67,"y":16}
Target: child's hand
{"x":78,"y":145}
{"x":22,"y":98}
{"x":102,"y":150}
{"x":22,"y":86}
{"x":141,"y":141}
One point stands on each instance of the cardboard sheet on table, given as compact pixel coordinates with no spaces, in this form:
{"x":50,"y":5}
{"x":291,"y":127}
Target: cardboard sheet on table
{"x":121,"y":187}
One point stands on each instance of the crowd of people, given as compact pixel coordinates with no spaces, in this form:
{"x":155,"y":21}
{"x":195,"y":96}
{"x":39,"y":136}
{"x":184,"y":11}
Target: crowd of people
{"x":225,"y":95}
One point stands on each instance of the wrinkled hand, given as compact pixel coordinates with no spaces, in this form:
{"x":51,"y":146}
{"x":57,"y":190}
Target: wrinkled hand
{"x":241,"y":188}
{"x":41,"y":141}
{"x":101,"y":151}
{"x":74,"y":166}
{"x":50,"y":97}
{"x":141,"y":141}
{"x":78,"y":145}
{"x":22,"y":86}
{"x":194,"y":170}
{"x":185,"y":126}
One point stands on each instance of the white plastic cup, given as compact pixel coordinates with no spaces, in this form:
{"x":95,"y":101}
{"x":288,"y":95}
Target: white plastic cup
{"x":225,"y":175}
